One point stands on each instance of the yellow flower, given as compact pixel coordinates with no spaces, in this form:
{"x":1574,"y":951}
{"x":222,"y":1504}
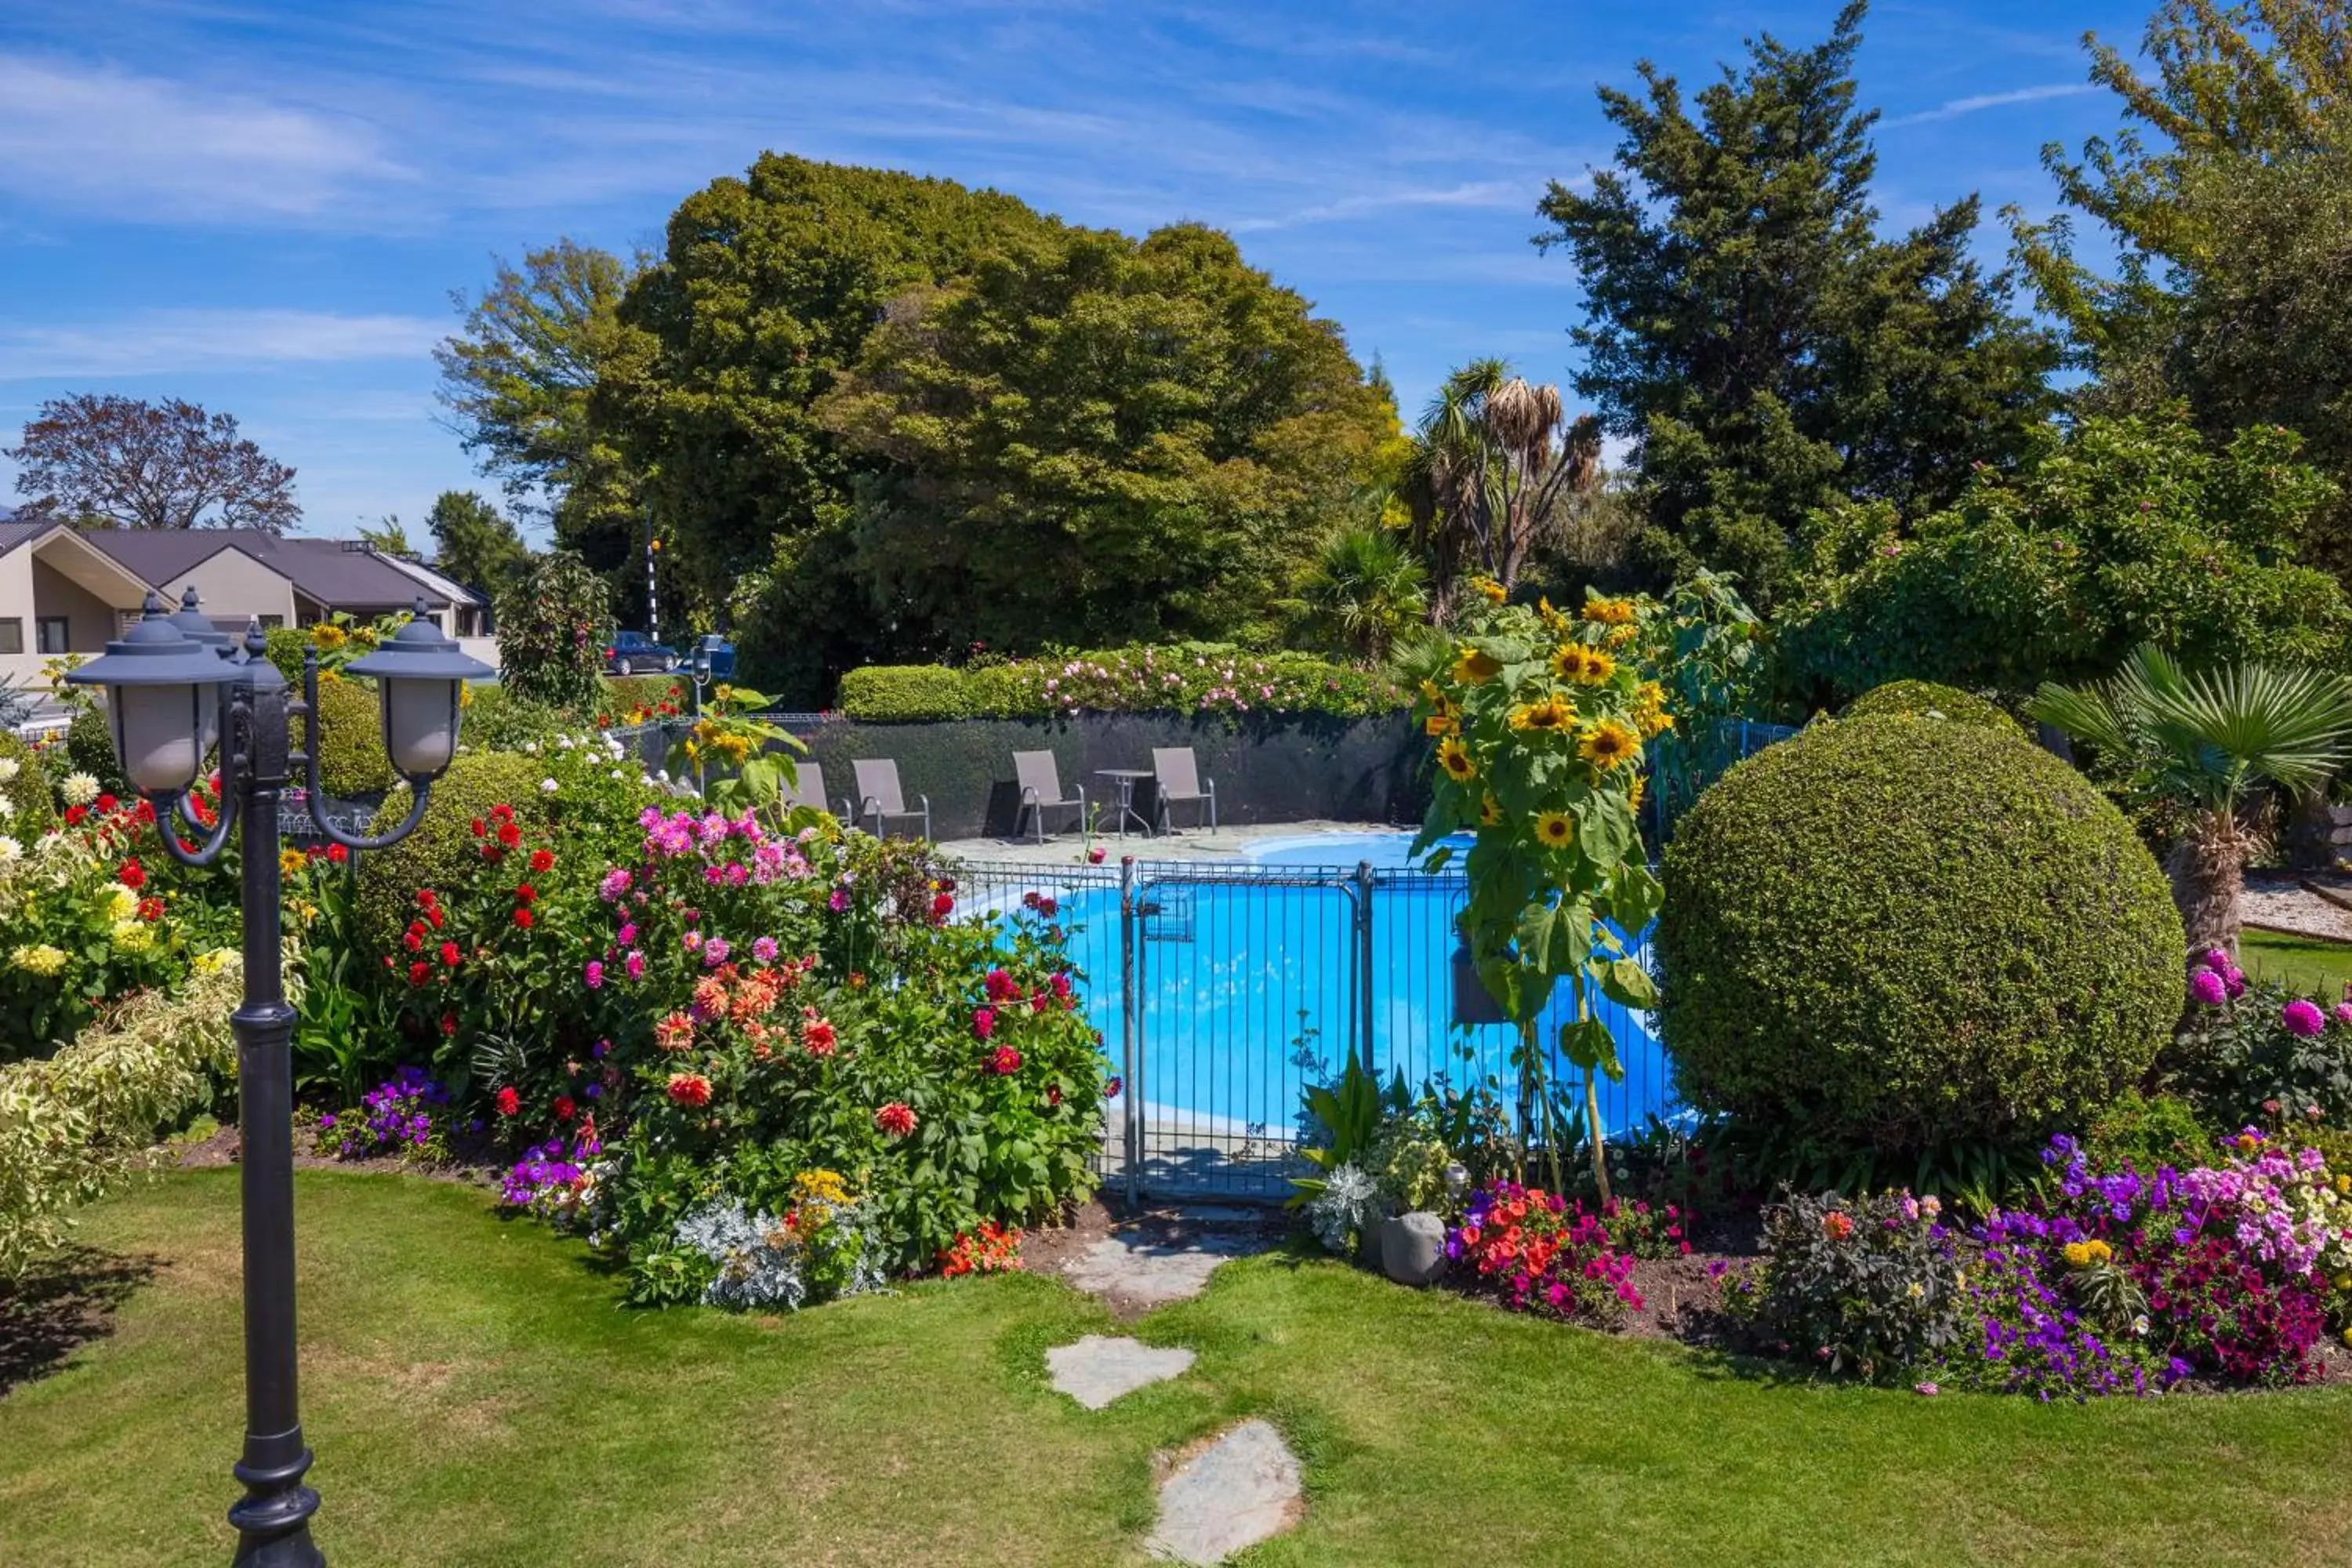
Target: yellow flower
{"x":121,"y":904}
{"x":1476,"y":668}
{"x":466,"y":695}
{"x":1454,"y":758}
{"x":724,"y":692}
{"x":133,"y":936}
{"x":1490,"y":812}
{"x":1429,"y":688}
{"x":1608,"y":744}
{"x":1555,"y":830}
{"x":1598,"y":667}
{"x":1550,"y":713}
{"x":2077,"y":1254}
{"x":820,"y":1186}
{"x":291,"y":862}
{"x":1621,"y":637}
{"x":1440,"y":724}
{"x":1551,"y":617}
{"x":1636,"y":790}
{"x":304,"y":909}
{"x":329,"y":675}
{"x":38,"y":958}
{"x":692,"y":751}
{"x":1610,"y":612}
{"x":327,"y":636}
{"x":1494,"y":591}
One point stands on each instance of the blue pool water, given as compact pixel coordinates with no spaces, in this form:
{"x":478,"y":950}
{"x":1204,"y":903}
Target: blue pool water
{"x":1247,"y":988}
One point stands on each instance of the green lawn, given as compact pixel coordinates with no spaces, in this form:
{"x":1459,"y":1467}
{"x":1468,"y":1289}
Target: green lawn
{"x":476,"y":1397}
{"x":2305,"y":964}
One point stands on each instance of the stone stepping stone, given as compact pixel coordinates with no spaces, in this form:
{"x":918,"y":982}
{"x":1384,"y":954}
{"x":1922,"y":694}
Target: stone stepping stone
{"x":1241,"y":1490}
{"x":1096,"y":1370}
{"x":1136,"y":1273}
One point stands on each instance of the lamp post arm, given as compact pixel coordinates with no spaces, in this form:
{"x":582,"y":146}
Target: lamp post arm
{"x":171,"y":810}
{"x":312,"y":794}
{"x":421,"y":792}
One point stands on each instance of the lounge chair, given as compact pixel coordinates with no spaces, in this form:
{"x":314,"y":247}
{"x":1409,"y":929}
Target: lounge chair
{"x":1041,"y":792}
{"x":807,"y":788}
{"x":880,"y":799}
{"x":1177,"y":772}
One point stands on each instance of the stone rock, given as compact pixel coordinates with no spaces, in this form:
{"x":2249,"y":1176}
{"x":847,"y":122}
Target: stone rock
{"x":1136,"y":1273}
{"x":1095,"y":1371}
{"x":1241,"y":1490}
{"x":1412,"y":1248}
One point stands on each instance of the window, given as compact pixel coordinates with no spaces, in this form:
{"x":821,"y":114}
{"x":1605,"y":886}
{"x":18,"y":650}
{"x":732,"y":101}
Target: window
{"x":53,"y":634}
{"x":270,"y":622}
{"x":12,"y":634}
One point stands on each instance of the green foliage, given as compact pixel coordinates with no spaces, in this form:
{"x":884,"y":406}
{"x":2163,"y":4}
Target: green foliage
{"x":32,"y":807}
{"x":1096,"y":437}
{"x":352,"y":762}
{"x":1346,"y":1118}
{"x":551,"y":624}
{"x":90,"y":749}
{"x":474,"y":542}
{"x":739,"y":762}
{"x":625,"y":696}
{"x":2240,"y":1065}
{"x":1754,"y":337}
{"x":1925,"y":698}
{"x":72,"y":1127}
{"x":2147,"y":1133}
{"x":1361,"y":593}
{"x":1191,"y":678}
{"x":497,"y":719}
{"x":443,"y":846}
{"x":1895,"y":933}
{"x":2118,"y":530}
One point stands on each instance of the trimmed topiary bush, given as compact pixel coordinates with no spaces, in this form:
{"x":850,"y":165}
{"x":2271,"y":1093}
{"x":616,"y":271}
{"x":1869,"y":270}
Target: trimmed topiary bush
{"x":905,"y":693}
{"x":1901,"y":933}
{"x":444,"y":842}
{"x":351,"y":759}
{"x":32,"y":809}
{"x":90,"y":748}
{"x":1925,"y":698}
{"x":496,"y":720}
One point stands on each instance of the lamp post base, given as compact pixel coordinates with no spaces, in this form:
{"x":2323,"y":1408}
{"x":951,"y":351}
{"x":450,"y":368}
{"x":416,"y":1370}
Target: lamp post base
{"x":273,"y":1520}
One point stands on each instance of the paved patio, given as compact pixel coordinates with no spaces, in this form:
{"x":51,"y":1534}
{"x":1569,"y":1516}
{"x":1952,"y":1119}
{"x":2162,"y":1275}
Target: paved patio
{"x":1189,"y":844}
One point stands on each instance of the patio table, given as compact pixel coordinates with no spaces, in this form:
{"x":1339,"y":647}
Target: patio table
{"x":1124,"y":780}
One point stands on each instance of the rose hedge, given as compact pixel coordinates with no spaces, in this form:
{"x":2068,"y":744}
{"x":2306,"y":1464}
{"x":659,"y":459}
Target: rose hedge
{"x":1205,"y":677}
{"x":1901,"y":932}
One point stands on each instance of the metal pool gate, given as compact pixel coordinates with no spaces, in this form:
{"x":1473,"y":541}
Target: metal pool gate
{"x":1222,"y":991}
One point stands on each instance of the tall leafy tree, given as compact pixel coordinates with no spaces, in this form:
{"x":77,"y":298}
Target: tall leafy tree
{"x":2227,"y":198}
{"x":474,"y":542}
{"x":386,"y":534}
{"x":1097,"y":439}
{"x":1751,"y":334}
{"x":520,"y":379}
{"x":1363,"y":593}
{"x":120,"y":462}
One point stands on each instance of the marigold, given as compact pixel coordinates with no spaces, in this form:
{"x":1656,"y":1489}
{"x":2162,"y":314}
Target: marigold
{"x":1454,"y":758}
{"x":1555,"y":830}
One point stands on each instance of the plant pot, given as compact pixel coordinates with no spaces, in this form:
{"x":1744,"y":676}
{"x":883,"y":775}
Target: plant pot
{"x":1412,"y":1248}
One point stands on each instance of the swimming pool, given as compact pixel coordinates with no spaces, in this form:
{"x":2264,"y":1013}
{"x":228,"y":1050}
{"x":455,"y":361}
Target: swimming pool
{"x":1249,"y":981}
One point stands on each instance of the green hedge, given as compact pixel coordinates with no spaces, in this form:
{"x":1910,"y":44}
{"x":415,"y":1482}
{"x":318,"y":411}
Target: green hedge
{"x":351,"y":759}
{"x":1925,"y":698}
{"x":1902,"y":932}
{"x":33,"y":808}
{"x":1182,"y":678}
{"x":444,"y":840}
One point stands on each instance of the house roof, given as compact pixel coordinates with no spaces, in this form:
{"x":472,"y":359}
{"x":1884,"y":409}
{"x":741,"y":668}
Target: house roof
{"x":457,"y":593}
{"x":338,"y":575}
{"x":14,"y":533}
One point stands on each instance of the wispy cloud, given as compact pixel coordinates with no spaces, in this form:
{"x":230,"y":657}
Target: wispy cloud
{"x":159,"y":341}
{"x":99,"y":139}
{"x":1955,"y":108}
{"x":1489,"y":193}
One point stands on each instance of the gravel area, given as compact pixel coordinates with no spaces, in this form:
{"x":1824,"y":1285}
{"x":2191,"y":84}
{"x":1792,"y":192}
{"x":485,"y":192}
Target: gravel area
{"x":2280,"y":901}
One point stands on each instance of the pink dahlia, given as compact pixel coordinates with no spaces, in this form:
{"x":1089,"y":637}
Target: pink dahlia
{"x":2302,"y":1017}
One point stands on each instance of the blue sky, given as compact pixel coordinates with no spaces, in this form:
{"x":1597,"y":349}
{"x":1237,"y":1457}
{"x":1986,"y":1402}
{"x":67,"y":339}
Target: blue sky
{"x":264,"y":207}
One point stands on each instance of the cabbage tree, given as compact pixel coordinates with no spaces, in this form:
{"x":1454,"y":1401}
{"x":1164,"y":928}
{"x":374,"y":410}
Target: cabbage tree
{"x":2205,"y":742}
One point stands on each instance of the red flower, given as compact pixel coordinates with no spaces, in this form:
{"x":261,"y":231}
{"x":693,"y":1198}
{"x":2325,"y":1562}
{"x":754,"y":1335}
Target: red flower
{"x":76,"y":815}
{"x":820,"y":1037}
{"x":448,"y":1023}
{"x":502,"y":811}
{"x":983,"y":1023}
{"x":508,"y":834}
{"x":526,"y":893}
{"x":132,"y":875}
{"x":418,"y":971}
{"x":689,"y":1088}
{"x":107,"y":803}
{"x":523,"y":919}
{"x":542,"y":859}
{"x":413,"y":941}
{"x":509,"y":1103}
{"x":427,"y":898}
{"x":1005,"y":1061}
{"x":435,"y":916}
{"x":150,"y":908}
{"x":449,"y":954}
{"x":1000,"y":986}
{"x":564,"y":1110}
{"x":1053,"y":1094}
{"x":896,"y":1118}
{"x":943,"y":907}
{"x":338,"y":852}
{"x":481,"y":829}
{"x":144,"y":813}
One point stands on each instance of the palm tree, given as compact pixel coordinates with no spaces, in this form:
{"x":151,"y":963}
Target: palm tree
{"x":1363,"y":592}
{"x":2204,"y":742}
{"x":1493,"y":460}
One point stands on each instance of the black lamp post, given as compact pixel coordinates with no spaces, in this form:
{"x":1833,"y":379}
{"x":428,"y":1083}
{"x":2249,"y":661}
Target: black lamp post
{"x":174,"y":689}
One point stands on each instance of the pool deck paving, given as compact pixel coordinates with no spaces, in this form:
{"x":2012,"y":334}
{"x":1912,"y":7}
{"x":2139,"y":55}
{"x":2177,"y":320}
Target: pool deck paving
{"x":1224,"y":844}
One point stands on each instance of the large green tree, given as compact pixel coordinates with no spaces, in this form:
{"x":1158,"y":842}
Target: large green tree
{"x":475,"y":542}
{"x":1095,"y":438}
{"x":2227,"y":198}
{"x":1749,"y":330}
{"x":2117,"y":531}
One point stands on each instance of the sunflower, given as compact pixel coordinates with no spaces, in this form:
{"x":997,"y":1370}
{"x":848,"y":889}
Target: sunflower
{"x":1555,"y":830}
{"x":1650,"y":715}
{"x":1550,"y":714}
{"x":1490,"y":812}
{"x":1568,"y":661}
{"x":1610,"y":612}
{"x":1429,"y":688}
{"x":1476,"y":668}
{"x":1494,"y":592}
{"x":1454,"y":758}
{"x":1621,"y":637}
{"x":1552,"y":619}
{"x":1440,"y":723}
{"x":1608,"y":743}
{"x":291,"y":862}
{"x":1636,"y":790}
{"x":1598,"y":667}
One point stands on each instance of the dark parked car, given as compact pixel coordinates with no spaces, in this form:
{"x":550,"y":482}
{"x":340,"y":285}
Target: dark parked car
{"x":634,"y":653}
{"x":722,"y":656}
